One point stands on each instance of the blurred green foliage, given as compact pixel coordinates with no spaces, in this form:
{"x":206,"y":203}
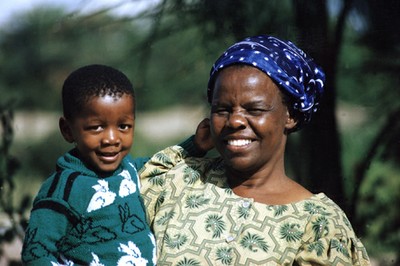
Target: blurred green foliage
{"x":40,"y":49}
{"x":167,"y":53}
{"x":380,"y":194}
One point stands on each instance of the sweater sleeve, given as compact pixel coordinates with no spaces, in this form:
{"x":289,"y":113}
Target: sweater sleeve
{"x":47,"y":226}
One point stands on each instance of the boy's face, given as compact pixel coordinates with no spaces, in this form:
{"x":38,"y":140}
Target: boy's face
{"x":103,"y":131}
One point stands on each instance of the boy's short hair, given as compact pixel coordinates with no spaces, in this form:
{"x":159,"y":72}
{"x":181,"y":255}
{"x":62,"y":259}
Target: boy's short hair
{"x":93,"y":81}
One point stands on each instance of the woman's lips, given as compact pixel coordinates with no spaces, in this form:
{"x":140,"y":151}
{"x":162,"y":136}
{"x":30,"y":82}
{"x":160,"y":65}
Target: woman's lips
{"x":238,"y":145}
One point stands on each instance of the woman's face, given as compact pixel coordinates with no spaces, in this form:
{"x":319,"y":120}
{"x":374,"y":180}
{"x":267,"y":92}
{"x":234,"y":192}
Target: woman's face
{"x":248,"y":119}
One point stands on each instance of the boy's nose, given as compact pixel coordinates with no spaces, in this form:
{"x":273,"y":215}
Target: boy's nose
{"x":111,"y":137}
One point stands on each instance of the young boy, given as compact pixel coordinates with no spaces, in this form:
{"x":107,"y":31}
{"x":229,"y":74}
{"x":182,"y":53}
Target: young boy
{"x":90,"y":211}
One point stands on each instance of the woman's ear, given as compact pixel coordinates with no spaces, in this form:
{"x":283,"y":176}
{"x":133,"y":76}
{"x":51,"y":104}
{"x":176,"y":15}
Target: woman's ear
{"x":65,"y":129}
{"x":290,"y":122}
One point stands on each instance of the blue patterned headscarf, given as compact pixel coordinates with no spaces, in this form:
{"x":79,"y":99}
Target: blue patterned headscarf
{"x":289,"y":67}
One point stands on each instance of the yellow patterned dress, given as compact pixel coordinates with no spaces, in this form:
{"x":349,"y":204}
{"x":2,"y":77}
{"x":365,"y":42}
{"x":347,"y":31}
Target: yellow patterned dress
{"x":198,"y":220}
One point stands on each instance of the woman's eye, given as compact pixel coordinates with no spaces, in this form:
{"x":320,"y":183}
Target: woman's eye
{"x":219,"y":110}
{"x":256,"y":111}
{"x":222,"y":111}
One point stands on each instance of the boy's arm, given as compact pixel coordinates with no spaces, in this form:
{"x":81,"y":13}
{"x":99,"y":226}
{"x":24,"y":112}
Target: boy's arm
{"x":46,"y":228}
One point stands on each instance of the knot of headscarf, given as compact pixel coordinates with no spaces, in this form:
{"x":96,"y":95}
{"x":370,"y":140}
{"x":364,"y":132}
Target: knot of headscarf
{"x":288,"y":66}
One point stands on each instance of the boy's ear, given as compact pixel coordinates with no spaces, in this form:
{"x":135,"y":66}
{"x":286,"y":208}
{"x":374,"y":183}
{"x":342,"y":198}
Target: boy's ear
{"x":65,"y":129}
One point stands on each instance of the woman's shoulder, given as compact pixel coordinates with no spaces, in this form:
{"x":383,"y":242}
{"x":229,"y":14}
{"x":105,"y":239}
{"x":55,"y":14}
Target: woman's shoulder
{"x":320,"y":199}
{"x":321,"y":204}
{"x":328,"y":235}
{"x":316,"y":210}
{"x":325,"y":213}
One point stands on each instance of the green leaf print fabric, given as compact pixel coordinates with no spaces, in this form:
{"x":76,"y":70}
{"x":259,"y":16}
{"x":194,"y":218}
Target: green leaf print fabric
{"x":198,"y":220}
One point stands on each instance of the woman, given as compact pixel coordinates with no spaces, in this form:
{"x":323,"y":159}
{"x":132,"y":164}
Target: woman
{"x":242,"y":208}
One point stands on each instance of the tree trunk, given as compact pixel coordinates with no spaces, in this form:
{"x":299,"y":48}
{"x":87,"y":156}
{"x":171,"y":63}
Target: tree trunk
{"x":320,"y":140}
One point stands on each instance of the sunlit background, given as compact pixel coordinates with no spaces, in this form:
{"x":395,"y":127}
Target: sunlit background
{"x":351,"y":151}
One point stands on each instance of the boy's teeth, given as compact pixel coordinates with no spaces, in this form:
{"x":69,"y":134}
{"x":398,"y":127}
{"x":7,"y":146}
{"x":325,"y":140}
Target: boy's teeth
{"x":239,"y":142}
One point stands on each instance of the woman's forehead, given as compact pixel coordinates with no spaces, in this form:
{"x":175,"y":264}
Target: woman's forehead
{"x":245,"y":82}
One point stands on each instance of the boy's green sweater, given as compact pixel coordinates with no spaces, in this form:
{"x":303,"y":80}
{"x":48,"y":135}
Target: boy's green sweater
{"x":80,"y":218}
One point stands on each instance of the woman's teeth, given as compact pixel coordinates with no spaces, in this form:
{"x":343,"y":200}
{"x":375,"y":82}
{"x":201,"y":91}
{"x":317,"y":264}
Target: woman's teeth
{"x":239,"y":142}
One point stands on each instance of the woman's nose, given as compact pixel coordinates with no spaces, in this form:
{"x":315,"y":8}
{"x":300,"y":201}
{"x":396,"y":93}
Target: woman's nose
{"x":237,"y":120}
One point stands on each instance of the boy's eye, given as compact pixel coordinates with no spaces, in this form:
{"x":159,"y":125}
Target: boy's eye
{"x":95,"y":128}
{"x":125,"y":127}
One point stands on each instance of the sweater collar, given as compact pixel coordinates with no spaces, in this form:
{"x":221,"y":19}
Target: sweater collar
{"x":70,"y":160}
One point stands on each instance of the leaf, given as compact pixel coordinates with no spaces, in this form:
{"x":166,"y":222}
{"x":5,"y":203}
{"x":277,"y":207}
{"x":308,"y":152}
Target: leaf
{"x":191,"y":174}
{"x":317,"y":246}
{"x":340,"y":246}
{"x":178,"y":241}
{"x":195,"y":201}
{"x":253,"y":242}
{"x":157,"y":179}
{"x":290,"y":232}
{"x":160,"y":199}
{"x":280,"y":210}
{"x":215,"y":224}
{"x":312,"y":208}
{"x":244,"y":212}
{"x":165,"y":218}
{"x":225,"y":255}
{"x":320,"y":227}
{"x":188,"y":262}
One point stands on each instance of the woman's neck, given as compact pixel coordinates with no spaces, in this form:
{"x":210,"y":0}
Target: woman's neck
{"x":276,"y":189}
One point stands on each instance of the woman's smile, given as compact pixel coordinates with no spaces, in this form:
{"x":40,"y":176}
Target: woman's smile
{"x":239,"y":142}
